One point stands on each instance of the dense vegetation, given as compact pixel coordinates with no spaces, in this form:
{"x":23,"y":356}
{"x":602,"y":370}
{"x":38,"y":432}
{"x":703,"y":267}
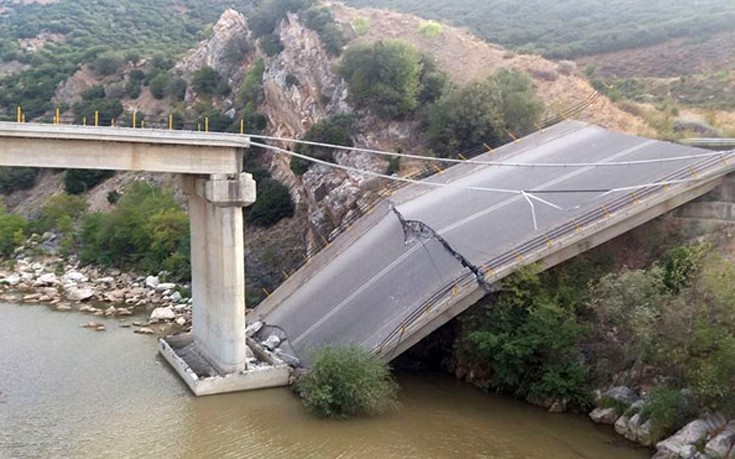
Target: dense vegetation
{"x":103,"y":33}
{"x":557,"y":335}
{"x":337,"y":130}
{"x":562,"y":29}
{"x":347,"y":381}
{"x":483,"y":112}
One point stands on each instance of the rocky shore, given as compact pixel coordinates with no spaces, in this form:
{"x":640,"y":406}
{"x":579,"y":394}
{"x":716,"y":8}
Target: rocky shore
{"x":711,"y":436}
{"x":146,"y":304}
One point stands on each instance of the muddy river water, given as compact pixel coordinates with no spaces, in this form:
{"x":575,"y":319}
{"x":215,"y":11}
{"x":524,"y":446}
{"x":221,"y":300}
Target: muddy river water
{"x":66,"y":391}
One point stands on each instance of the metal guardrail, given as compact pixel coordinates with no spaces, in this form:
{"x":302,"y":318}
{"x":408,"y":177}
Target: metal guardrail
{"x":516,"y":253}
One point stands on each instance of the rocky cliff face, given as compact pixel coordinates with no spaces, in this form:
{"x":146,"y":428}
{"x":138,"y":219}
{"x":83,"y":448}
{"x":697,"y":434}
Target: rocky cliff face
{"x":301,"y":88}
{"x":222,"y":52}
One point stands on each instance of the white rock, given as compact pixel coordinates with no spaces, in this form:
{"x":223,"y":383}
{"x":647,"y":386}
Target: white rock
{"x":181,"y":321}
{"x":75,"y":276}
{"x":106,"y":280}
{"x":166,"y":313}
{"x":13,"y":280}
{"x":175,"y":297}
{"x":604,"y":415}
{"x":690,"y":434}
{"x":152,"y":282}
{"x":47,"y":279}
{"x":165,"y":286}
{"x":722,"y":446}
{"x":144,"y":331}
{"x":79,"y":294}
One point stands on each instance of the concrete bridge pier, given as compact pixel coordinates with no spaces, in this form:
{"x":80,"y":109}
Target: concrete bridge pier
{"x":218,"y":267}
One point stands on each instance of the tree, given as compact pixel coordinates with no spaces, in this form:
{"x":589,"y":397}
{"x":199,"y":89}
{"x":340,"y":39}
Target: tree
{"x":384,"y":77}
{"x":158,"y":85}
{"x":520,"y":105}
{"x":208,"y":82}
{"x":107,"y":63}
{"x":273,"y":204}
{"x":465,"y":118}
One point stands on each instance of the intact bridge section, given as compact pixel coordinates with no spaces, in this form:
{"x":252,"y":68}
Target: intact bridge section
{"x":431,"y":251}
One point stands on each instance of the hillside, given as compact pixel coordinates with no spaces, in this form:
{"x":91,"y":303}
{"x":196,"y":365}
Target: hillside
{"x":43,"y":43}
{"x":566,"y":29}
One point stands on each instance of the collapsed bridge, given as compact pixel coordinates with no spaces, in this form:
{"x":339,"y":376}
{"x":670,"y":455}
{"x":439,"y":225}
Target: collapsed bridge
{"x":434,"y":249}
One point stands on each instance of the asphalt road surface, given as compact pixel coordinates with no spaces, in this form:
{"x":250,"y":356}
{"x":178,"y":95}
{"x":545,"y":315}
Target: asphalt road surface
{"x":370,"y":287}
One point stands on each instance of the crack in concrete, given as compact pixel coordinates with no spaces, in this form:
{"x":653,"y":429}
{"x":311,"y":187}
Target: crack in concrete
{"x":418,"y":230}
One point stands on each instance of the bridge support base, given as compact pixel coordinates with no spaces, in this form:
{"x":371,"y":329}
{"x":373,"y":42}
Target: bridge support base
{"x":216,"y":350}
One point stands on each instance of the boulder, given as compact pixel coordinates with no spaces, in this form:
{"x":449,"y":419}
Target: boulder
{"x":46,"y":280}
{"x":681,"y":443}
{"x":622,"y":394}
{"x":180,"y":321}
{"x":74,"y":276}
{"x":166,"y":313}
{"x":63,"y":307}
{"x":176,"y":297}
{"x":559,"y":406}
{"x":606,"y":416}
{"x":106,"y":280}
{"x":722,"y":446}
{"x":79,"y":294}
{"x":152,"y":282}
{"x":162,"y":287}
{"x":13,"y":280}
{"x":111,"y":311}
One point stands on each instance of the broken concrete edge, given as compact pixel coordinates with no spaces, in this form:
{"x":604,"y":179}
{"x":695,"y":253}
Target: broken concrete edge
{"x":277,"y":375}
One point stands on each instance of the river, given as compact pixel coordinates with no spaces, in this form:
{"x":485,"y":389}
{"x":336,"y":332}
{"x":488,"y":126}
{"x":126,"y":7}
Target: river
{"x":66,"y":391}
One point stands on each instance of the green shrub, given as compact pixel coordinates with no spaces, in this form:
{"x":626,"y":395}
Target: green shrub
{"x":361,"y":25}
{"x":668,"y":410}
{"x":265,"y":17}
{"x":146,"y":230}
{"x":107,"y":63}
{"x":95,"y":92}
{"x":12,"y":231}
{"x":431,"y":29}
{"x":17,"y":178}
{"x":271,"y":44}
{"x":345,"y":382}
{"x":158,"y":85}
{"x":58,"y":208}
{"x":78,"y":181}
{"x":176,"y":89}
{"x":526,"y":342}
{"x":208,"y":82}
{"x":335,"y":131}
{"x":107,"y":110}
{"x":273,"y":204}
{"x":322,"y":22}
{"x":384,"y":77}
{"x":251,"y":89}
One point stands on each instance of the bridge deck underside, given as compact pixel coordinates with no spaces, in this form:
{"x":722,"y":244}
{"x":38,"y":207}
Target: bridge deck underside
{"x":371,"y":286}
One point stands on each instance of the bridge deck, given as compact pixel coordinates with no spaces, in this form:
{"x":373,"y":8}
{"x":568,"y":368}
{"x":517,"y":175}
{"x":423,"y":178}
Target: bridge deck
{"x":363,"y":291}
{"x":87,"y":147}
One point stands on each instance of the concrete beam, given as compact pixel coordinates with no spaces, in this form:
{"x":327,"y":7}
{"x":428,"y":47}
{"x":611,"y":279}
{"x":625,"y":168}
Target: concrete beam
{"x":79,"y":147}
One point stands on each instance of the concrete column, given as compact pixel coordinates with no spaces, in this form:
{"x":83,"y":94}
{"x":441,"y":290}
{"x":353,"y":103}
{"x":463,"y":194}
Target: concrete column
{"x":218,"y":267}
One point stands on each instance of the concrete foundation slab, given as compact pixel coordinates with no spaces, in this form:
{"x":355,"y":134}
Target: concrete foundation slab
{"x":203,"y":379}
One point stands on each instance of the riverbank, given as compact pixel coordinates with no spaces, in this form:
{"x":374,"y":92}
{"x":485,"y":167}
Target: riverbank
{"x":146,"y":304}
